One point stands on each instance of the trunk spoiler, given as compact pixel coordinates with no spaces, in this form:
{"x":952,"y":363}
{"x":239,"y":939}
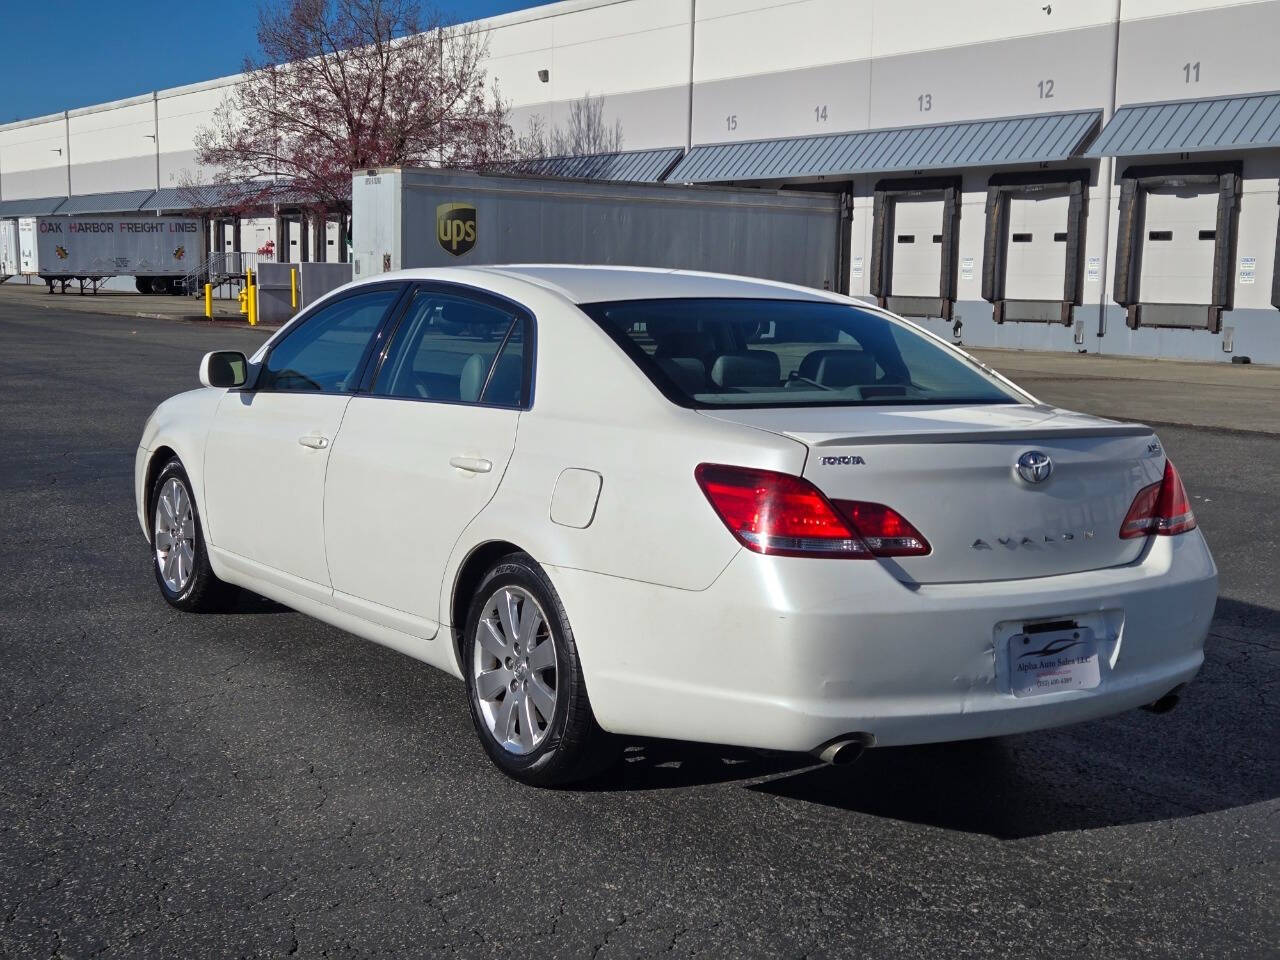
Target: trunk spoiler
{"x":988,"y":435}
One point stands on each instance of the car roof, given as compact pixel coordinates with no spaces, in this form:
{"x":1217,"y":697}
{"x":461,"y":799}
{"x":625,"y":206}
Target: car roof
{"x":583,"y":283}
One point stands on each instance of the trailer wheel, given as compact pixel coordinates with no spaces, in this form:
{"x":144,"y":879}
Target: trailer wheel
{"x":159,"y":285}
{"x":143,"y":284}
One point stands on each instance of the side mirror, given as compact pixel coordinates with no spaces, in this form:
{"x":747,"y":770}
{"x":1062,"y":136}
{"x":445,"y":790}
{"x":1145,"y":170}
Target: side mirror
{"x":224,"y":368}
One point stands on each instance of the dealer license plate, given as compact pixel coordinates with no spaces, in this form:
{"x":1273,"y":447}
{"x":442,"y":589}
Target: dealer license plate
{"x":1061,"y":660}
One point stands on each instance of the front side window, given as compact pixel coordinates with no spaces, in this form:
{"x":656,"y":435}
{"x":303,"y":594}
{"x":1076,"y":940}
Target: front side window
{"x":323,"y":353}
{"x":770,"y":353}
{"x":454,"y":349}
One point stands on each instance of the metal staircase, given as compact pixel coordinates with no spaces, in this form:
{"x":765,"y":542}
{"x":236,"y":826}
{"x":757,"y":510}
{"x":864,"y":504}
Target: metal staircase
{"x":221,"y":269}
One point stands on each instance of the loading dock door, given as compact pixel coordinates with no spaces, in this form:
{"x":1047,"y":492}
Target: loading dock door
{"x":1033,"y":247}
{"x":917,"y":247}
{"x":1178,"y":234}
{"x":914,"y":240}
{"x":1176,"y":244}
{"x":1036,"y":246}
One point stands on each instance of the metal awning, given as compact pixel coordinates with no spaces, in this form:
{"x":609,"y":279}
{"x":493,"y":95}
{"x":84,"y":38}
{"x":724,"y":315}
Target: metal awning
{"x":38,"y":207}
{"x":1191,"y":126}
{"x":202,"y":196}
{"x":973,"y":143}
{"x":223,"y":196}
{"x":121,"y":201}
{"x":633,"y":166}
{"x":180,"y":198}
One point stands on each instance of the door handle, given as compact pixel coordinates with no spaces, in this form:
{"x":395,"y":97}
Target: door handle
{"x":314,"y":442}
{"x":471,"y":464}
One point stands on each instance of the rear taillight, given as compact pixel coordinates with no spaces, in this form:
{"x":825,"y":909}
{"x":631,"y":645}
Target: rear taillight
{"x":782,"y":515}
{"x":1161,"y":508}
{"x":883,"y":529}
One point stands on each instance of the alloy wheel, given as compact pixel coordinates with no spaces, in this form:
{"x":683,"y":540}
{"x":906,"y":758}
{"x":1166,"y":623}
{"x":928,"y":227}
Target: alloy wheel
{"x":514,"y":669}
{"x":175,"y":535}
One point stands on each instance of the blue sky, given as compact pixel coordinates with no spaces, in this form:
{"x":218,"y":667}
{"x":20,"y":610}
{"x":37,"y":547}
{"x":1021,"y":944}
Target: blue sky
{"x":76,"y":53}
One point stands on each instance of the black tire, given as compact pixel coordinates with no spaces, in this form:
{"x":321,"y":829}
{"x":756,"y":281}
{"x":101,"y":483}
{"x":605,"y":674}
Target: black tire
{"x":574,"y":747}
{"x":142,"y":284}
{"x":203,"y":592}
{"x":160,"y":285}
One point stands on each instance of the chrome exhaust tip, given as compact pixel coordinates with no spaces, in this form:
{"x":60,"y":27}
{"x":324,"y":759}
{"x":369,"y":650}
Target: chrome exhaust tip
{"x":844,"y":749}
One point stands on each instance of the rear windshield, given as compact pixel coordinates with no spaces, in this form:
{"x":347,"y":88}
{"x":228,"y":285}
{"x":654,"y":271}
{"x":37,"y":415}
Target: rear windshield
{"x":773,"y":353}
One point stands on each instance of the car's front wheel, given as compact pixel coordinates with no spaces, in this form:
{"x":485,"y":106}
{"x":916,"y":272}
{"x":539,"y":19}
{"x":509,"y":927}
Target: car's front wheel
{"x":524,"y":679}
{"x":180,"y":558}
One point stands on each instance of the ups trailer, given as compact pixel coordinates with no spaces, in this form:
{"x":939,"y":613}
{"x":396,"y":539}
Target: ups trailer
{"x":408,"y":217}
{"x":8,"y":249}
{"x":158,"y":252}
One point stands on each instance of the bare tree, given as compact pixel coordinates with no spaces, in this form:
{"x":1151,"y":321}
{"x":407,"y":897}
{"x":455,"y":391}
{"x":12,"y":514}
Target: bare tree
{"x":585,"y":133}
{"x":343,"y":85}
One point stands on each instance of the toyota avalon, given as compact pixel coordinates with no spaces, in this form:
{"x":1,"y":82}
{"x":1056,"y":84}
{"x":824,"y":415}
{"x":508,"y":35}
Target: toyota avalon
{"x":630,"y":502}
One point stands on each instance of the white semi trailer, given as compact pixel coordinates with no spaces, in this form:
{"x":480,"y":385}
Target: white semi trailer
{"x":158,"y":252}
{"x":8,"y":249}
{"x":407,"y":217}
{"x":28,"y":253}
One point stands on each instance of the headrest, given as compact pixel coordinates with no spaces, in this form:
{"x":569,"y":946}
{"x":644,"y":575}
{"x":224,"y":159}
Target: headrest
{"x":755,"y":368}
{"x":839,"y":368}
{"x":471,"y":382}
{"x":504,"y":385}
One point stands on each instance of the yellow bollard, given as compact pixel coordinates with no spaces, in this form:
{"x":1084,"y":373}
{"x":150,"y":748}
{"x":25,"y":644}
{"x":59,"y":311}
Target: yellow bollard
{"x":293,"y":286}
{"x":251,"y":297}
{"x":208,"y":301}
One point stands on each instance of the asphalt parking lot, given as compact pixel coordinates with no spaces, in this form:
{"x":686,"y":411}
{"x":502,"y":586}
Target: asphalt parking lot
{"x":260,"y":784}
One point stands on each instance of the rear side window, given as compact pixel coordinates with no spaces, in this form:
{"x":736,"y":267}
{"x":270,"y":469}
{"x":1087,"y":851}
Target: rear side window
{"x":774,"y":353}
{"x":454,"y":349}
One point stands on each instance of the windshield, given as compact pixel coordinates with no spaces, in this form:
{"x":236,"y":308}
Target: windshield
{"x":727,"y":352}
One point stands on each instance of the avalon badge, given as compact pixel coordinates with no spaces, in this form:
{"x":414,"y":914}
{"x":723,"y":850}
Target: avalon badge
{"x":1034,"y":466}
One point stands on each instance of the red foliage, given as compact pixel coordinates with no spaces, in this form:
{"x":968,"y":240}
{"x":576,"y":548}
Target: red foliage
{"x":345,"y":85}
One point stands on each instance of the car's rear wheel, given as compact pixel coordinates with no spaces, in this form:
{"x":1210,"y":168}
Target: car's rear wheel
{"x":528,"y":698}
{"x":179,"y":555}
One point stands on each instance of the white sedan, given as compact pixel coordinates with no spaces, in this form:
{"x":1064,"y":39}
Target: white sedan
{"x":626,"y":502}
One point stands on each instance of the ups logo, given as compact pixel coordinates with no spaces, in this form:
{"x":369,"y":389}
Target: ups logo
{"x":456,"y":227}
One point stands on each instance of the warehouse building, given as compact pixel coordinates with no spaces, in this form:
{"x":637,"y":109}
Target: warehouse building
{"x":1097,"y":175}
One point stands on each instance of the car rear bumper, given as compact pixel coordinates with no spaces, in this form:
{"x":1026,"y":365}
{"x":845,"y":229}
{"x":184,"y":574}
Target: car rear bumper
{"x":787,"y":653}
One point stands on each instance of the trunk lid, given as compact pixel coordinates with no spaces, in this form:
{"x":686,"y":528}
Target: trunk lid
{"x":952,"y":472}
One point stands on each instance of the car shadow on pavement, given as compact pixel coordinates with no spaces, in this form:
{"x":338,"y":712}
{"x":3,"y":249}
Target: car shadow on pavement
{"x":251,"y":604}
{"x":667,"y":764}
{"x":1216,"y":751}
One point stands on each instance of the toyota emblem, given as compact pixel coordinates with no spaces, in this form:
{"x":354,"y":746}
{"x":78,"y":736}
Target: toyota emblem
{"x":1034,"y":466}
